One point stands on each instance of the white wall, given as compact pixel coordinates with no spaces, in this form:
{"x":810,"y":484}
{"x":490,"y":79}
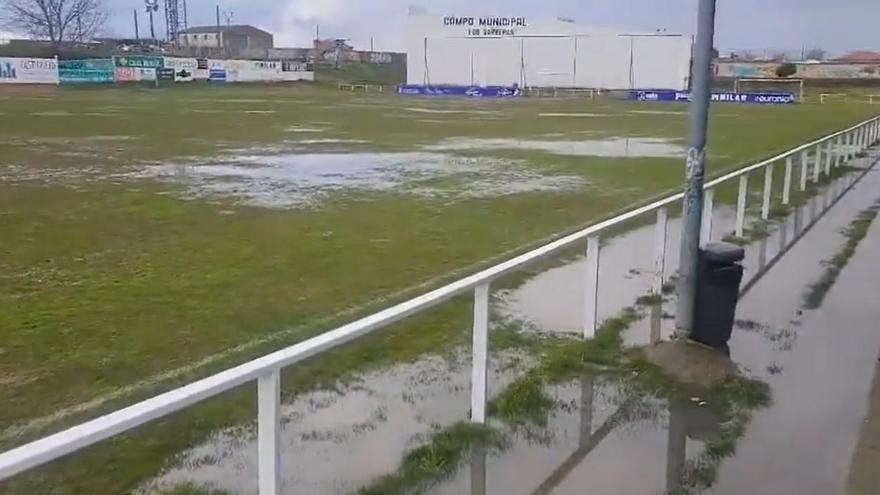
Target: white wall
{"x":549,"y":62}
{"x":545,"y":54}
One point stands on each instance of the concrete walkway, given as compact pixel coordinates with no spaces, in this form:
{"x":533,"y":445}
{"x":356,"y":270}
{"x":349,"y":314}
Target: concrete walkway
{"x":819,"y":364}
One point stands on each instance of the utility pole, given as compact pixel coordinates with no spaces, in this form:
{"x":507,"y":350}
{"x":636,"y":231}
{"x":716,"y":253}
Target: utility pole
{"x":219,"y":45}
{"x":137,"y":34}
{"x":692,"y":215}
{"x":152,"y":6}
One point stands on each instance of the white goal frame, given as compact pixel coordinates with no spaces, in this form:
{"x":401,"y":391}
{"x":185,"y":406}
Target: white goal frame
{"x":800,"y":82}
{"x":826,"y":96}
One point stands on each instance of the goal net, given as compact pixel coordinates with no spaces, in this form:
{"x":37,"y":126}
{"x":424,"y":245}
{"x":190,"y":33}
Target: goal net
{"x":793,"y":86}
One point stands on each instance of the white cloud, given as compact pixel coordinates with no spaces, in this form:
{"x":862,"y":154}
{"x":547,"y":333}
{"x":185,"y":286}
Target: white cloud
{"x":356,"y":20}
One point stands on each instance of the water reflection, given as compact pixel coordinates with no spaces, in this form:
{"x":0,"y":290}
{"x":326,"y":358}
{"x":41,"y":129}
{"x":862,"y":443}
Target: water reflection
{"x":793,"y":227}
{"x":688,"y":427}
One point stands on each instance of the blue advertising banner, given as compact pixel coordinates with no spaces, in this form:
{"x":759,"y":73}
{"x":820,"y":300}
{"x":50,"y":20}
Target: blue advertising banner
{"x":718,"y":97}
{"x":217,"y":75}
{"x":470,"y":91}
{"x":85,"y":71}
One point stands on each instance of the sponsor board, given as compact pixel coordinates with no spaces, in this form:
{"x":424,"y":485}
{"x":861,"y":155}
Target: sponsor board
{"x":135,"y":74}
{"x":179,"y":63}
{"x":98,"y":70}
{"x":165,"y":74}
{"x":217,"y":75}
{"x":469,"y":91}
{"x":28,"y":70}
{"x":718,"y":97}
{"x":139,"y":61}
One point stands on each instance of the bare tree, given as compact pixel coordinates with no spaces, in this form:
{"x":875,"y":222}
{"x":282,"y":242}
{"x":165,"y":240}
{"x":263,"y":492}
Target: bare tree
{"x":815,"y":54}
{"x":56,"y":20}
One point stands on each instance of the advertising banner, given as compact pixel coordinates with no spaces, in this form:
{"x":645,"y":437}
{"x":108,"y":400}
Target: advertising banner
{"x":180,"y":63}
{"x":217,"y":75}
{"x":94,"y":71}
{"x":470,"y":91}
{"x":139,"y":61}
{"x":135,"y":74}
{"x":165,"y":74}
{"x":28,"y":70}
{"x":718,"y":97}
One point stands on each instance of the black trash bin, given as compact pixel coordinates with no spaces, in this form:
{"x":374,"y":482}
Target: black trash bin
{"x":717,"y":293}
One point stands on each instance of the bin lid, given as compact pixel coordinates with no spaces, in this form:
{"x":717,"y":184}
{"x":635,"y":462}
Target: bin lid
{"x":723,"y":253}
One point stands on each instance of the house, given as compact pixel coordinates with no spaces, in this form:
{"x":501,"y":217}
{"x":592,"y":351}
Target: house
{"x":233,"y":38}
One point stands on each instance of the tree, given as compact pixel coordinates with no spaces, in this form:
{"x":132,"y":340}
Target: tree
{"x":815,"y":54}
{"x":55,"y":20}
{"x":787,"y":69}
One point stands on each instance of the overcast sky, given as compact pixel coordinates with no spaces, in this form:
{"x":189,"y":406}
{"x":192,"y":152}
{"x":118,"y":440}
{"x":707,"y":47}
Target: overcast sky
{"x":837,"y":25}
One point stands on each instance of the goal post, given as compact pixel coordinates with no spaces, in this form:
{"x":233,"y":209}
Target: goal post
{"x":766,"y":83}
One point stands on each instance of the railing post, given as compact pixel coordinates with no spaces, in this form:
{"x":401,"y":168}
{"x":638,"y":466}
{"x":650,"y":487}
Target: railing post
{"x":786,"y":185}
{"x":660,"y":252}
{"x":708,"y":206}
{"x":853,"y":145}
{"x":741,"y":203}
{"x":591,"y":301}
{"x":805,"y":165}
{"x":480,"y":351}
{"x":817,"y":162}
{"x":269,"y":433}
{"x":829,"y":159}
{"x":840,"y":159}
{"x":768,"y":190}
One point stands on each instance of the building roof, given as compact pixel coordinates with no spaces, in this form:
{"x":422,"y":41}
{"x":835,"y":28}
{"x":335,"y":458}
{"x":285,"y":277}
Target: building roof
{"x":240,"y":29}
{"x":860,"y":56}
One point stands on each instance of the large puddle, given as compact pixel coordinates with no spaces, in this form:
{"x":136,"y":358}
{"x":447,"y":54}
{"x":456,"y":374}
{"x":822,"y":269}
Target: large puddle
{"x":335,"y":442}
{"x":618,"y":147}
{"x":602,"y":435}
{"x":286,"y":180}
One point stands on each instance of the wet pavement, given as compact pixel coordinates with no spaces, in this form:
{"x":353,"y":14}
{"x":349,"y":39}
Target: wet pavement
{"x":819,"y":365}
{"x":802,"y":444}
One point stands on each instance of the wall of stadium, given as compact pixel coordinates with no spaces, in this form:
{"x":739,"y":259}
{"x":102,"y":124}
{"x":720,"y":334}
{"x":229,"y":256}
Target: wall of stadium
{"x":485,"y":51}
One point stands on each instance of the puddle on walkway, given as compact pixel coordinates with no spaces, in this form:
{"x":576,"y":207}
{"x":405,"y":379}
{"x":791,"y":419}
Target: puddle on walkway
{"x":613,"y":147}
{"x":289,"y":180}
{"x":602,"y":440}
{"x":819,"y":364}
{"x":552,"y":302}
{"x":336,"y":443}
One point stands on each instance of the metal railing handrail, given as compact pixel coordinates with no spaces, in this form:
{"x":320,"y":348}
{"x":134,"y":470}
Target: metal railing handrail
{"x":266,"y":370}
{"x":790,"y":153}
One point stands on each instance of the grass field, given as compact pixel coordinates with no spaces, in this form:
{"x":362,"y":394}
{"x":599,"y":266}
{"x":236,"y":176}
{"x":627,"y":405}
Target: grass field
{"x":146,"y":230}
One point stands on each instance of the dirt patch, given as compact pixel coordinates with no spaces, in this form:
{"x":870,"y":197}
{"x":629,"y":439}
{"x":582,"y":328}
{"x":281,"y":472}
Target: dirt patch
{"x":691,"y":363}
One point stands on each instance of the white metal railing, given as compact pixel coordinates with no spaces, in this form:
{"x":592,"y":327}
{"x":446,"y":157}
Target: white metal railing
{"x":831,"y":150}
